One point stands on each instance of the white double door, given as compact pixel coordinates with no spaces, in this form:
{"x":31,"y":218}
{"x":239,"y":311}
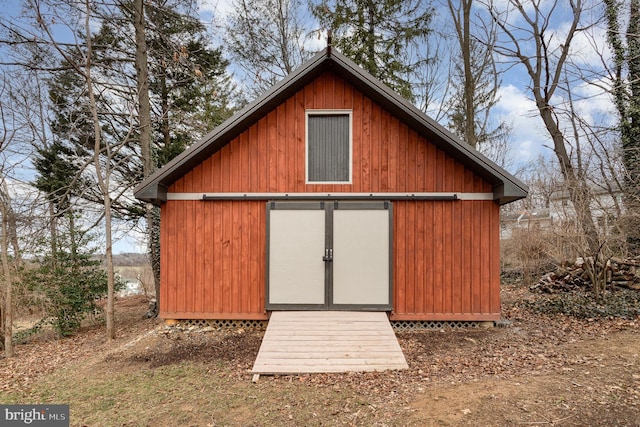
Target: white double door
{"x":329,"y":255}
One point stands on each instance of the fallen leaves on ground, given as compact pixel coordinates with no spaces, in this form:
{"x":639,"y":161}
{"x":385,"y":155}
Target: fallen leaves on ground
{"x":549,"y":369}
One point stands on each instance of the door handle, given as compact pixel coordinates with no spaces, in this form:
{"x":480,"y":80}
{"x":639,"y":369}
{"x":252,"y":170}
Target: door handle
{"x":328,"y":255}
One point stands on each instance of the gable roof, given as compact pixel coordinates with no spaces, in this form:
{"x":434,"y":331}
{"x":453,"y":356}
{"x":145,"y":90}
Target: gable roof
{"x":506,"y":187}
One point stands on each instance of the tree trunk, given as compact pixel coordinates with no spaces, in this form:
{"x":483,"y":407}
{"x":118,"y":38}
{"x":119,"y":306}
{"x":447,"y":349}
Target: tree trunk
{"x":469,"y":82}
{"x":626,"y":95}
{"x":103,"y":175}
{"x":8,"y":283}
{"x":53,"y":229}
{"x":146,"y":135}
{"x":579,"y":192}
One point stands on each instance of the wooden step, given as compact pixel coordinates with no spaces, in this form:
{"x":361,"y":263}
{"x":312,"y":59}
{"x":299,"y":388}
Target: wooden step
{"x":299,"y":342}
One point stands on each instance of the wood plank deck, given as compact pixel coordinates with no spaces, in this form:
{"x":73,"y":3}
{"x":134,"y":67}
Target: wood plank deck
{"x":299,"y":342}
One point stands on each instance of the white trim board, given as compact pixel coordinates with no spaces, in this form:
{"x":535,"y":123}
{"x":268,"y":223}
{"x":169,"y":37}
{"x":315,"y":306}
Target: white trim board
{"x":303,"y":196}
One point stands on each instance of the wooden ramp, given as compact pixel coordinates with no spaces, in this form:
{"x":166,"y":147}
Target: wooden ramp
{"x":299,"y":342}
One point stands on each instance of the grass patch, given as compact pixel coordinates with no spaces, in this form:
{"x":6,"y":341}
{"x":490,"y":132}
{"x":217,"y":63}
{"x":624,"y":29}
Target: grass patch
{"x":194,"y":393}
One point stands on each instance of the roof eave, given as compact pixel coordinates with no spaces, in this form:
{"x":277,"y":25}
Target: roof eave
{"x":508,"y":192}
{"x":154,"y":192}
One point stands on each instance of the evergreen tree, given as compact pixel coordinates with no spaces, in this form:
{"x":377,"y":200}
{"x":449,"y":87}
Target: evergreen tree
{"x":191,"y":91}
{"x":379,"y":36}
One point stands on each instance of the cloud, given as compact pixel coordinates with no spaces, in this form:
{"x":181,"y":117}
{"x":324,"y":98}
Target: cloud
{"x":528,"y":135}
{"x":215,"y":9}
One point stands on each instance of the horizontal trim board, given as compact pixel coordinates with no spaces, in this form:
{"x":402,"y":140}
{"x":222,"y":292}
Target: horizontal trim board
{"x":188,"y":315}
{"x":330,"y":196}
{"x":445,"y":316}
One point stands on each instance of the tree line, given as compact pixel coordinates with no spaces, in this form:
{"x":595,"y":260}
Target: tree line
{"x":97,"y":95}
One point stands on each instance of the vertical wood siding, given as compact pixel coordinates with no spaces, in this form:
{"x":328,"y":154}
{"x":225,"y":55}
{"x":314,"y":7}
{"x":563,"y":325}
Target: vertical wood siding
{"x":446,"y":264}
{"x":446,"y":261}
{"x":387,"y":155}
{"x":213,"y":260}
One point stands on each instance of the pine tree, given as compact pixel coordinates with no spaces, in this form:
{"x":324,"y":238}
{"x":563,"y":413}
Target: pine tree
{"x":379,"y":36}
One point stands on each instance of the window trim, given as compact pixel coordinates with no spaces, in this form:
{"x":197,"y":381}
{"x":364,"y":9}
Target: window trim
{"x":325,"y":112}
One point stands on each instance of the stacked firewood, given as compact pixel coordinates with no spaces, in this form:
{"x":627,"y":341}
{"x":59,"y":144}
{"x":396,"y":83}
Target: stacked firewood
{"x":621,"y":273}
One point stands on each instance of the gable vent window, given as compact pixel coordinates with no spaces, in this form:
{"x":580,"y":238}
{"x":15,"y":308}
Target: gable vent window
{"x":328,"y":146}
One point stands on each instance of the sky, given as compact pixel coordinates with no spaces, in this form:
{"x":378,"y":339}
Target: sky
{"x":515,"y":106}
{"x":529,"y":138}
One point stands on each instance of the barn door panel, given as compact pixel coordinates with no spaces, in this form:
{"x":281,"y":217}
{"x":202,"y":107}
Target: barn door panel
{"x":296,"y":271}
{"x":361,"y":257}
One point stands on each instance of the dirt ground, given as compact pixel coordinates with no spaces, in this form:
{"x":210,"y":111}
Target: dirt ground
{"x":537,"y":370}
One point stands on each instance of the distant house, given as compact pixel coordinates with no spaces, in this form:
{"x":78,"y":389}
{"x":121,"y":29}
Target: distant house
{"x":558,"y":211}
{"x":330,"y":192}
{"x":606,"y":206}
{"x":526,"y":219}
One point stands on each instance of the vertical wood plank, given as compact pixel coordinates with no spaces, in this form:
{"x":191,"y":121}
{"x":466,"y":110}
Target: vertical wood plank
{"x":431,"y":168}
{"x":282,"y":143}
{"x":439,"y":170}
{"x":218,"y":244}
{"x":167,"y":256}
{"x":374,"y":142}
{"x":384,"y":150}
{"x":178,"y":297}
{"x":401,"y":171}
{"x":420,"y":258}
{"x":236,"y":258}
{"x":420,"y":161}
{"x":399,"y":251}
{"x":196,"y":249}
{"x":365,"y":144}
{"x":357,"y":137}
{"x":298,"y":137}
{"x":410,"y":272}
{"x":411,"y":156}
{"x":486,"y":249}
{"x":476,"y":257}
{"x":456,"y":240}
{"x":290,"y":145}
{"x":495,"y":276}
{"x":429,"y":283}
{"x":394,"y":140}
{"x":449,"y":263}
{"x":262,"y":245}
{"x":272,"y":151}
{"x":438,"y":259}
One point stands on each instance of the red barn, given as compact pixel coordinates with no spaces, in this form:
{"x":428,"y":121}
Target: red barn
{"x":330,"y":192}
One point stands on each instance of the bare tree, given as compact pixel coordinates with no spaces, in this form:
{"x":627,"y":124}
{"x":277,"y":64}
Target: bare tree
{"x":530,"y":42}
{"x":477,"y":80}
{"x":433,"y":83}
{"x":9,"y":130}
{"x":80,"y":58}
{"x":266,"y":38}
{"x":9,"y":238}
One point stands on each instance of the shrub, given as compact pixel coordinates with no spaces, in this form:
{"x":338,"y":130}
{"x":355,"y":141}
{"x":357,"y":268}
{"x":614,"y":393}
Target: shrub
{"x":71,"y":285}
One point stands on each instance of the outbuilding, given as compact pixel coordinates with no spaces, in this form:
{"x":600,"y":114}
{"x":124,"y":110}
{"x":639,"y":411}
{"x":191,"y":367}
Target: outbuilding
{"x":330,"y":192}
